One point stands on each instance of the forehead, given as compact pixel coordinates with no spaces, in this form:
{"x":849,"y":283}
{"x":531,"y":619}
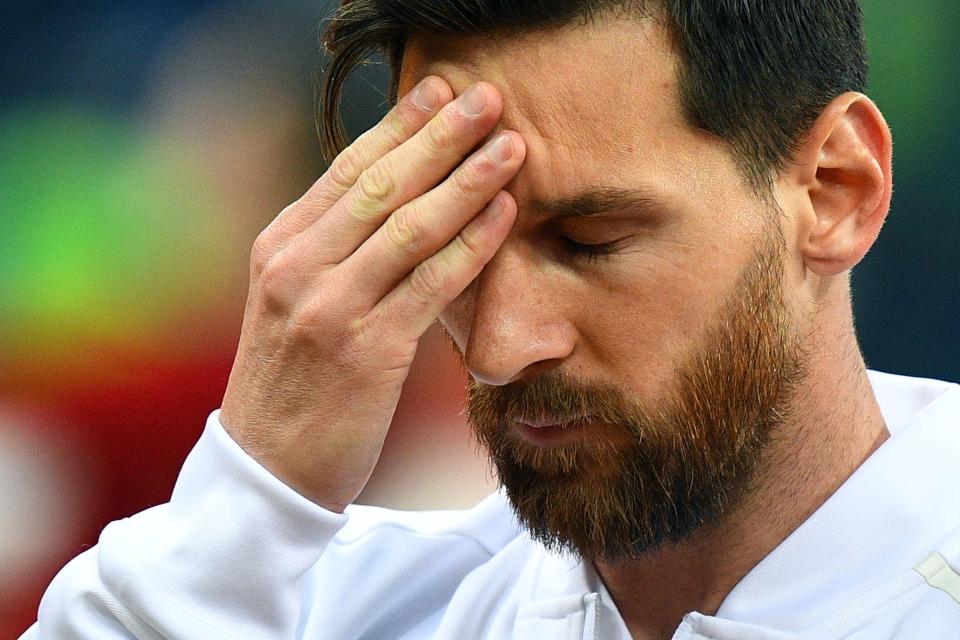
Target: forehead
{"x":594,"y":102}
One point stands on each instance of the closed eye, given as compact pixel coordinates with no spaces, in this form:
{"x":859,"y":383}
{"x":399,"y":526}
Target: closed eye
{"x":591,"y":253}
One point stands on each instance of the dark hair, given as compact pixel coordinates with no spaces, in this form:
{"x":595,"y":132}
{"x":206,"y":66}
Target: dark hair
{"x":756,"y":73}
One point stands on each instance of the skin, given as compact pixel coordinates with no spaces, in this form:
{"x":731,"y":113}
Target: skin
{"x":347,"y":279}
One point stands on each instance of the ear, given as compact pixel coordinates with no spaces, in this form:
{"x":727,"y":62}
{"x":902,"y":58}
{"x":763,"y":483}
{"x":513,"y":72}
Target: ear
{"x":844,"y":172}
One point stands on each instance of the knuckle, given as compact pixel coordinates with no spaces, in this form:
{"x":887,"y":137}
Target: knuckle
{"x":346,"y":168}
{"x":373,"y":188}
{"x":307,"y":324}
{"x":403,"y":230}
{"x":318,"y":318}
{"x":356,"y":328}
{"x":437,"y":138}
{"x":322,"y":329}
{"x":468,"y":178}
{"x":361,"y":336}
{"x":427,"y":280}
{"x":273,"y":283}
{"x":261,"y":253}
{"x":469,"y":243}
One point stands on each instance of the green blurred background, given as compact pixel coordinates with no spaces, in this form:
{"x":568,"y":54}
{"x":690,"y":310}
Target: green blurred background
{"x":142,"y":148}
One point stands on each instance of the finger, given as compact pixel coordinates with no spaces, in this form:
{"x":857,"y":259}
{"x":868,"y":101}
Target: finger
{"x":418,"y":300}
{"x":421,"y":228}
{"x":405,"y":119}
{"x":405,"y":173}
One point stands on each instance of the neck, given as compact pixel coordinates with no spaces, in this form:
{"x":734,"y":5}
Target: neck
{"x":836,"y":424}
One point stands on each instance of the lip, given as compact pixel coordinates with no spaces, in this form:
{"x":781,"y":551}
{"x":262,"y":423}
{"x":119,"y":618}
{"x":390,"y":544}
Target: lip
{"x":548,"y":432}
{"x":543,"y":423}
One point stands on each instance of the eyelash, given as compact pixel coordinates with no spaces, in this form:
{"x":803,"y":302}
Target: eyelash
{"x":591,"y":253}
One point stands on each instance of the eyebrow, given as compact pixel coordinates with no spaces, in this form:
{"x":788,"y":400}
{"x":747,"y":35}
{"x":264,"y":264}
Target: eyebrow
{"x":599,"y":200}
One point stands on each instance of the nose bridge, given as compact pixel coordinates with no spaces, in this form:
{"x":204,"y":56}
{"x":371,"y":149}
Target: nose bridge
{"x":517,"y":326}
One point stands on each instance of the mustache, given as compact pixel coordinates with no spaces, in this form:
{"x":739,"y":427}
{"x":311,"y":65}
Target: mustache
{"x":551,"y":397}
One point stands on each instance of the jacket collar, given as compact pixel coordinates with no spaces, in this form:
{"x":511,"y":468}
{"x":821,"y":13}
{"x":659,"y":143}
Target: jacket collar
{"x":873,"y":529}
{"x":569,"y":601}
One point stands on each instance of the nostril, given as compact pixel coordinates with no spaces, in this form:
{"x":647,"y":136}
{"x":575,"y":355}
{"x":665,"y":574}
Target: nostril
{"x":502,"y":373}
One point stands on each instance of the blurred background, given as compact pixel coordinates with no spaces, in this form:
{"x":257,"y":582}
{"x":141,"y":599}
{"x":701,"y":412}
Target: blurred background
{"x":144,"y":145}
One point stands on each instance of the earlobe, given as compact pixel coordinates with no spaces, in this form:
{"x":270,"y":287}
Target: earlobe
{"x":845,"y":167}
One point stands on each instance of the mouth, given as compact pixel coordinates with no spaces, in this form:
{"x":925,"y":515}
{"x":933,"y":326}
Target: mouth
{"x":551,"y":432}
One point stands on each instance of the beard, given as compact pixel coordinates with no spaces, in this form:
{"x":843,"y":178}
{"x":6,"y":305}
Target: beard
{"x":639,"y":475}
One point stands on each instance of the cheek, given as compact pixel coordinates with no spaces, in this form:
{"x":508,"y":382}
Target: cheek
{"x":650,"y":315}
{"x":656,"y":302}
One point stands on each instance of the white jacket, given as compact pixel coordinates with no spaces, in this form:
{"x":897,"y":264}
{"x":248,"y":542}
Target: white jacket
{"x":237,"y":554}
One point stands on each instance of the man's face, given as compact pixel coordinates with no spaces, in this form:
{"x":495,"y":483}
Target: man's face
{"x":669,"y":344}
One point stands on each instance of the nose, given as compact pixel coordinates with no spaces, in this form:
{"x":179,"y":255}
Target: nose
{"x":511,"y":323}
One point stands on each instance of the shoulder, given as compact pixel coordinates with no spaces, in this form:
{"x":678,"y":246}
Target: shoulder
{"x":931,"y":609}
{"x":924,"y":415}
{"x":906,"y":401}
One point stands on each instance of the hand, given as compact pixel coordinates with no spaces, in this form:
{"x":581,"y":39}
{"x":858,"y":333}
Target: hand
{"x":347,"y":279}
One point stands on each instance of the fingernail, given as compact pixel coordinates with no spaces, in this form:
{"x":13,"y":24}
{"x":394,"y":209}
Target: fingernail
{"x":473,"y":101}
{"x":501,"y":149}
{"x":426,"y":96}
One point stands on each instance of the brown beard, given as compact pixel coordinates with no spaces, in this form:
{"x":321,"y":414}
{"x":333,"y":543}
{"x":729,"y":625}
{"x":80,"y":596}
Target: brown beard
{"x":640,"y":476}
